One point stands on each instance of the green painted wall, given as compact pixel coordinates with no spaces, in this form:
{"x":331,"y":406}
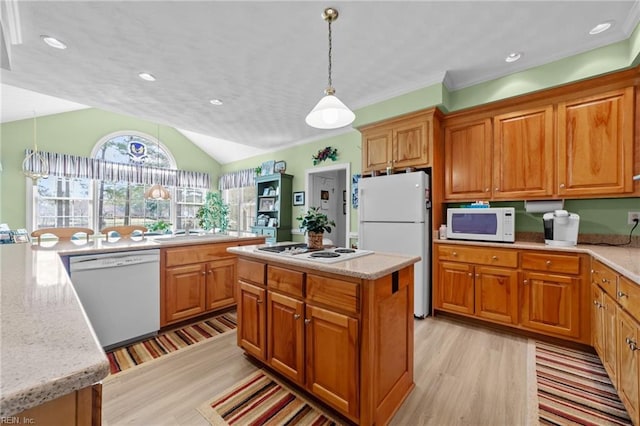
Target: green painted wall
{"x":77,"y":133}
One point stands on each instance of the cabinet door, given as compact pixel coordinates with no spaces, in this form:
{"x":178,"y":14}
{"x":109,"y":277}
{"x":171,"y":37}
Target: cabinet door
{"x":523,"y":154}
{"x":332,"y":350}
{"x":377,"y":148}
{"x":610,"y":344}
{"x":252,"y":320}
{"x":597,"y":321}
{"x":551,"y":304}
{"x":628,"y":363}
{"x":285,"y":335}
{"x":455,"y":287}
{"x":221,"y":278}
{"x":185,"y":292}
{"x":411,"y":144}
{"x":595,"y":144}
{"x":496,"y":294}
{"x":467,"y":157}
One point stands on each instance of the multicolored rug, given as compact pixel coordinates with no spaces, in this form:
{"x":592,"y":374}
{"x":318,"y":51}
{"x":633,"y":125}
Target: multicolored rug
{"x":574,"y":388}
{"x":262,"y":400}
{"x":170,"y":341}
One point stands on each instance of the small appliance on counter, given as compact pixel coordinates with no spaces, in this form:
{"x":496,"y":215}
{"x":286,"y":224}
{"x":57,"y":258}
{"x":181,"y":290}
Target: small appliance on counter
{"x":481,"y":224}
{"x":561,"y":228}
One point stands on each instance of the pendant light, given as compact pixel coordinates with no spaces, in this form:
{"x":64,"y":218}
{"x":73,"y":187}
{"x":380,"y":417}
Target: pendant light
{"x":330,"y":112}
{"x":157,"y":191}
{"x":39,"y":168}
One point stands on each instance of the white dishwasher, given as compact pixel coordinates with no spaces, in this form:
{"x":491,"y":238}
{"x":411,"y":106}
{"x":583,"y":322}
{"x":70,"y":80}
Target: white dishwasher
{"x":120,"y":293}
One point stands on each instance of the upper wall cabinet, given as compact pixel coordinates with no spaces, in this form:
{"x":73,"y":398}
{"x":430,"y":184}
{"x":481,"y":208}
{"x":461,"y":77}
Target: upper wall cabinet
{"x":595,"y":144}
{"x":399,"y":143}
{"x":467,"y":153}
{"x":523,"y":154}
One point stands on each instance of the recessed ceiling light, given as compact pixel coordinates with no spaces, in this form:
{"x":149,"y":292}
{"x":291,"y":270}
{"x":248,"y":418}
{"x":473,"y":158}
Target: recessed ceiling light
{"x":53,"y":42}
{"x":146,"y":76}
{"x":215,"y":102}
{"x":600,"y":28}
{"x":513,"y":56}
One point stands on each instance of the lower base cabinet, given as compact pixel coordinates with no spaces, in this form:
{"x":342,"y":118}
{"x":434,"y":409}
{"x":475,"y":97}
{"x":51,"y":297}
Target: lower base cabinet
{"x":79,"y":408}
{"x":347,"y":341}
{"x":628,"y":363}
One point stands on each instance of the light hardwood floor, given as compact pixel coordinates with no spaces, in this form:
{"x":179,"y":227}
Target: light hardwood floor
{"x":464,"y":375}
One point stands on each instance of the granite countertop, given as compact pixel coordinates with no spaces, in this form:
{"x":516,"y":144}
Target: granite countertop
{"x":368,"y":267}
{"x":625,"y":260}
{"x":47,"y":345}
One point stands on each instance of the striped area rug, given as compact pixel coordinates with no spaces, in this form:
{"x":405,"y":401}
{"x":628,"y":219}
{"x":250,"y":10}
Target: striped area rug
{"x":169,"y":342}
{"x":574,"y":389}
{"x":262,"y":400}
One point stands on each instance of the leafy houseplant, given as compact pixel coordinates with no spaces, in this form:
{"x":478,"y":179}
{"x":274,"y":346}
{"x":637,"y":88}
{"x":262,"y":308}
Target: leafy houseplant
{"x":214,"y":213}
{"x":160,"y":225}
{"x":314,"y":222}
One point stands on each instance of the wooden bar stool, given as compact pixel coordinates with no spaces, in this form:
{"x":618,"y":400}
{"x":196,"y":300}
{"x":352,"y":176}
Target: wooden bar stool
{"x":123,"y":231}
{"x":63,"y":234}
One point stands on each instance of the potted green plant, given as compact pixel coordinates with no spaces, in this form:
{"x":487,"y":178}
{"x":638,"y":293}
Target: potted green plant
{"x":314,"y":223}
{"x":161,"y":226}
{"x":214,"y":213}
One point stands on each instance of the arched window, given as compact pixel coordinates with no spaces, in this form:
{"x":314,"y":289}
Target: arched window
{"x":119,"y":200}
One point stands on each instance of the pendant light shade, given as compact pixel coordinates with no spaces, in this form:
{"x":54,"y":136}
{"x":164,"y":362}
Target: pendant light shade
{"x":330,"y":112}
{"x":157,"y":191}
{"x":35,"y":166}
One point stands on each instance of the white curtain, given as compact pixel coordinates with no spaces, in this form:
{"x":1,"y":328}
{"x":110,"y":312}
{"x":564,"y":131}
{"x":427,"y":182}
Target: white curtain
{"x":237,"y":179}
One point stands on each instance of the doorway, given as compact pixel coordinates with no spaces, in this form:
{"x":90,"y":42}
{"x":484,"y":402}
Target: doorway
{"x":329,"y":188}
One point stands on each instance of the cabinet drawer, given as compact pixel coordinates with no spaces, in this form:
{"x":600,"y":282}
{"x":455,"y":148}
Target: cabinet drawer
{"x":629,"y":296}
{"x":285,"y":280}
{"x":343,"y":295}
{"x":269,"y":232}
{"x":249,"y":270}
{"x":605,"y":277}
{"x":482,"y":256}
{"x":551,"y":263}
{"x":196,"y":254}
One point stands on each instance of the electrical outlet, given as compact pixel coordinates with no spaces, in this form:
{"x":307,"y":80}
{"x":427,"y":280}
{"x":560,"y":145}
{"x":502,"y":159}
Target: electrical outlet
{"x":633,"y":216}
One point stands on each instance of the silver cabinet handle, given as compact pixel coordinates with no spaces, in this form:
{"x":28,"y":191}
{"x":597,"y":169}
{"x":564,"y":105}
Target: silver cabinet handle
{"x":477,"y":275}
{"x":204,"y":272}
{"x":621,"y":294}
{"x":593,"y":271}
{"x":470,"y":274}
{"x":486,"y":190}
{"x":307,"y":320}
{"x":627,"y":341}
{"x":562,"y":185}
{"x":454,"y":253}
{"x":494,"y":257}
{"x":548,"y":263}
{"x":296,"y":316}
{"x":497,"y":189}
{"x":525,"y":282}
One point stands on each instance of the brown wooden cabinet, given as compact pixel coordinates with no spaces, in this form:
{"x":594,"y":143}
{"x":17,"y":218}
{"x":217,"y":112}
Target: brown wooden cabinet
{"x":488,"y":292}
{"x":77,"y":408}
{"x":552,"y":293}
{"x":603,"y":321}
{"x":398,"y":143}
{"x":196,"y":279}
{"x":348,"y":341}
{"x":595,"y":144}
{"x":523,"y":154}
{"x":467,"y":160}
{"x":628,"y":363}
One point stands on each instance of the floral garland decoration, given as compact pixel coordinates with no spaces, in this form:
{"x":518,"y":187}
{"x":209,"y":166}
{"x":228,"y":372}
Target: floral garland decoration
{"x":325,"y":153}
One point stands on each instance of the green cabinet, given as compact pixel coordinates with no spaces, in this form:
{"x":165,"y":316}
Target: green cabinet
{"x":273,"y":217}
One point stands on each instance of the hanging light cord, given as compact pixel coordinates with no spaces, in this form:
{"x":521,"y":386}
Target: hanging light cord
{"x":330,"y":49}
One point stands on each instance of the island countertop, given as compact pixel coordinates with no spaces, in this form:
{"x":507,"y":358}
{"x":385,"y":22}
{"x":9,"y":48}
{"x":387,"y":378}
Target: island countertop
{"x":368,"y":267}
{"x":47,"y":347}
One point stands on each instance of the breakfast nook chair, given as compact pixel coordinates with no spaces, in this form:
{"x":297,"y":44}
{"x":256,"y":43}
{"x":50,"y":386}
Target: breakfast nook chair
{"x":123,"y":231}
{"x":63,"y":234}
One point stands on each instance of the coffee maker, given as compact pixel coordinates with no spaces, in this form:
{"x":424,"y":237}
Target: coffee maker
{"x":561,"y":228}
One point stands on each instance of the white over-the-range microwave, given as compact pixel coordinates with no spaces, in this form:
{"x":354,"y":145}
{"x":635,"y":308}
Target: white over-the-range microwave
{"x":481,"y":224}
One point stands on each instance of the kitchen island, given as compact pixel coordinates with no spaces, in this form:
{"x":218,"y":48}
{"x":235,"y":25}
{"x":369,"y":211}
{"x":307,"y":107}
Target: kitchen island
{"x":51,"y":361}
{"x":341,"y":331}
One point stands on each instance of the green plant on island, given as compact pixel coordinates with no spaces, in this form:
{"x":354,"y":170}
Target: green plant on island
{"x":314,"y":220}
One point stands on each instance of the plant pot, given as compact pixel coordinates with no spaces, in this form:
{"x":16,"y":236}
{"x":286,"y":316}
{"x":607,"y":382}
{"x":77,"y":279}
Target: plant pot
{"x":314,"y":240}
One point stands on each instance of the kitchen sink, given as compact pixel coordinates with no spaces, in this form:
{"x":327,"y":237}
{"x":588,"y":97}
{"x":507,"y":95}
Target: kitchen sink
{"x":176,"y":239}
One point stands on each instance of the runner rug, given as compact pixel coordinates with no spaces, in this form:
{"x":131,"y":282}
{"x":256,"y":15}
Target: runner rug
{"x":262,"y":400}
{"x":169,"y":342}
{"x":574,"y":388}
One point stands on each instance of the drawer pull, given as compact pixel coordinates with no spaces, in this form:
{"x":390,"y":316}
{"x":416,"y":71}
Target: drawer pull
{"x":470,"y":274}
{"x":454,"y":253}
{"x":627,"y":341}
{"x":593,"y":271}
{"x":633,"y":346}
{"x":604,"y":281}
{"x":595,"y":302}
{"x":548,"y":263}
{"x":494,"y":257}
{"x":525,"y":282}
{"x":307,"y":321}
{"x":621,"y":294}
{"x":204,"y":272}
{"x":296,"y":316}
{"x":477,"y":275}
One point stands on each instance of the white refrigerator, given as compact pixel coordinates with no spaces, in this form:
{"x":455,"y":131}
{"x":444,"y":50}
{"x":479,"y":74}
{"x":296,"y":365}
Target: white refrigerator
{"x":394,"y":217}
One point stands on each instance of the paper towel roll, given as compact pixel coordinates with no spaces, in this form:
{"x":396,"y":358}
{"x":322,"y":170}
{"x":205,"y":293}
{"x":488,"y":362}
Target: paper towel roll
{"x":543,"y":206}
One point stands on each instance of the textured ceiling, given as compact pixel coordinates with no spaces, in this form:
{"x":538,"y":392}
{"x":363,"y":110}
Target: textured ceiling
{"x":267,"y":61}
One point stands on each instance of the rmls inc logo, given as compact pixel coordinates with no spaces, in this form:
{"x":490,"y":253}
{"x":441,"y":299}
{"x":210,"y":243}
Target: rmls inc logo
{"x":17,"y":420}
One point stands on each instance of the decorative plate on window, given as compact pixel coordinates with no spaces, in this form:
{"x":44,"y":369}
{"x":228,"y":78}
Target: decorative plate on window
{"x":280,"y":167}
